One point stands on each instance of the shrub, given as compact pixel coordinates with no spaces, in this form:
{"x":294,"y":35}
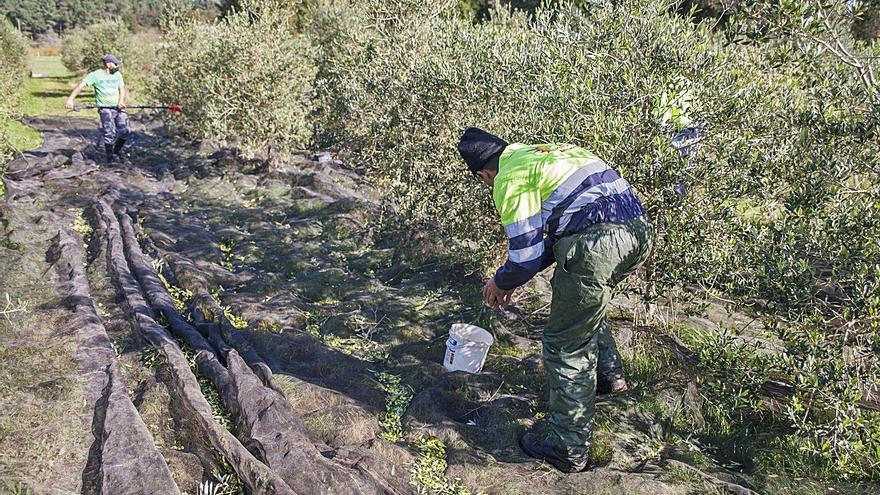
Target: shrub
{"x":13,"y":60}
{"x":13,"y":67}
{"x":778,"y":210}
{"x":83,"y":48}
{"x":867,"y":25}
{"x":399,"y":81}
{"x":245,"y":78}
{"x":140,"y":67}
{"x":782,"y":205}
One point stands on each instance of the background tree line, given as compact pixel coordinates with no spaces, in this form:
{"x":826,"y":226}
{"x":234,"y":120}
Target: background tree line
{"x":13,"y":58}
{"x":35,"y":17}
{"x":865,"y":27}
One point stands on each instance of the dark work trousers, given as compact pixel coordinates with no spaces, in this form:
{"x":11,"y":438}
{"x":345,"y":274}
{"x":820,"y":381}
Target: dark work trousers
{"x":577,"y":341}
{"x":114,"y":125}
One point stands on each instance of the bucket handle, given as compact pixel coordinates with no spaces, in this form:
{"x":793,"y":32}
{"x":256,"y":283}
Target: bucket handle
{"x":483,"y":309}
{"x":482,"y":312}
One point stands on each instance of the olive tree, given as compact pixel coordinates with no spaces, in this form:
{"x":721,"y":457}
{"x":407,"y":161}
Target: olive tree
{"x":245,"y":78}
{"x":778,"y":211}
{"x":82,"y":48}
{"x":13,"y":67}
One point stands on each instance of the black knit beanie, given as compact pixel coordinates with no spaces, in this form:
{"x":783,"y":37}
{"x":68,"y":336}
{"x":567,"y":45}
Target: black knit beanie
{"x":478,"y":148}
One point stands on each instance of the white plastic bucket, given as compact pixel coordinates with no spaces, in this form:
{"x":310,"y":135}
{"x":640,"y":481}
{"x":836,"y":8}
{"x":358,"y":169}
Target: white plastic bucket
{"x":466,"y":348}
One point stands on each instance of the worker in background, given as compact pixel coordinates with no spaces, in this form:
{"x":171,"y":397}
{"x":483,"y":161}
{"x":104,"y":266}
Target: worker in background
{"x":560,"y":203}
{"x":110,"y":98}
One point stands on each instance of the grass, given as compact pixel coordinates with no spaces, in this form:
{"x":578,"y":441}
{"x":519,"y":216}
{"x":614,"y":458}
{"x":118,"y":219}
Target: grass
{"x":46,"y":96}
{"x":21,"y":137}
{"x":18,"y":488}
{"x":50,"y":66}
{"x":601,"y":448}
{"x":42,"y":96}
{"x":681,"y":475}
{"x":647,"y":365}
{"x":38,"y":399}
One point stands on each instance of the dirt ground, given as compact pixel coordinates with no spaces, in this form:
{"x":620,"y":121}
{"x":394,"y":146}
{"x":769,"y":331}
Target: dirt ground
{"x":188,"y":322}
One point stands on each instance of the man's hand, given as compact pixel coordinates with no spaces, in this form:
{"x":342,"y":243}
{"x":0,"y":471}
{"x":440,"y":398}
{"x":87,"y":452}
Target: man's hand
{"x":495,"y":296}
{"x":123,"y":97}
{"x":70,"y":99}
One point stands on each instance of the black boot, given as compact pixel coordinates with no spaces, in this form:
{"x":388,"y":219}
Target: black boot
{"x":109,"y":149}
{"x":118,"y":146}
{"x":611,"y":385}
{"x":540,"y":447}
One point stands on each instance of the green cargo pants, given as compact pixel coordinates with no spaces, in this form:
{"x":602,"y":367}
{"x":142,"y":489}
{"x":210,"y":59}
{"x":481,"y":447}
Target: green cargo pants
{"x":578,"y":338}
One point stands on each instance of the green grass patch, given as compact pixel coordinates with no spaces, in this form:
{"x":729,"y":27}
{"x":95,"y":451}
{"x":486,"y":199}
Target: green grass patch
{"x":505,"y":346}
{"x":17,"y":488}
{"x":20,"y":136}
{"x":682,"y":475}
{"x":517,"y":378}
{"x":691,"y":337}
{"x":792,"y":456}
{"x":601,"y":448}
{"x":48,"y":65}
{"x":46,"y":95}
{"x":647,"y":366}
